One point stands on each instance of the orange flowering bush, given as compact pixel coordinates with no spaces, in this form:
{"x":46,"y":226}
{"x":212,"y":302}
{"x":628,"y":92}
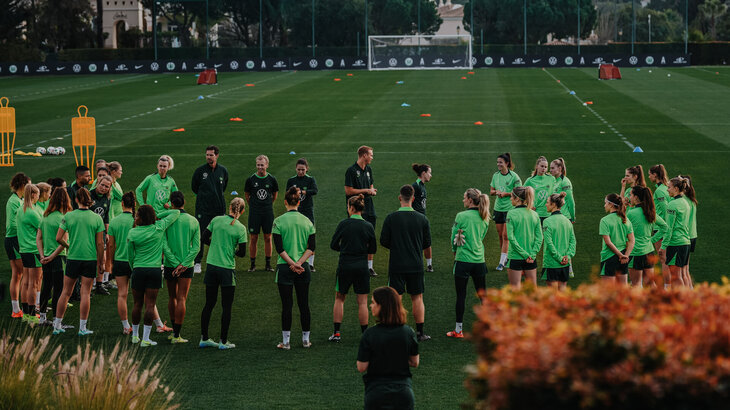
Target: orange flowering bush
{"x":602,"y":347}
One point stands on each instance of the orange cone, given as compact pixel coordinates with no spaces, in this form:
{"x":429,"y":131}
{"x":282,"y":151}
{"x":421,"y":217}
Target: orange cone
{"x":179,"y":130}
{"x":478,"y":123}
{"x":471,"y":72}
{"x":338,"y":79}
{"x":250,"y":85}
{"x":349,"y":74}
{"x":589,"y":102}
{"x":236,"y":119}
{"x":425,"y":115}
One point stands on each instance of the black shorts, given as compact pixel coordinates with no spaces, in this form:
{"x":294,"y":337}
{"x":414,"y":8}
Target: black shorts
{"x":185,"y":274}
{"x":465,"y":270}
{"x":217,"y":276}
{"x":12,"y":248}
{"x":557,"y":274}
{"x":284,"y":275}
{"x":75,"y":269}
{"x":692,"y":244}
{"x":612,"y":266}
{"x":522,"y":264}
{"x":389,"y":395}
{"x":641,"y":262}
{"x":678,"y":255}
{"x":309,"y":213}
{"x":146,"y":278}
{"x":413,"y":283}
{"x":121,"y":268}
{"x":258,"y":222}
{"x":359,"y":279}
{"x":500,"y":217}
{"x":370,"y":218}
{"x":58,"y":264}
{"x":30,"y":260}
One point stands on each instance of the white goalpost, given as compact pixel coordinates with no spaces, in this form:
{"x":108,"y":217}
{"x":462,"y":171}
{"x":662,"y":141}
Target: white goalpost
{"x":419,"y":52}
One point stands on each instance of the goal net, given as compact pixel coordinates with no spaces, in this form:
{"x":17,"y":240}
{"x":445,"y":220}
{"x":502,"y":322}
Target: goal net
{"x":421,"y":52}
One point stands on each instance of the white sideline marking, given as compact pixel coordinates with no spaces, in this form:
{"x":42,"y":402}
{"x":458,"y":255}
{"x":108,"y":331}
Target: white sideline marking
{"x":598,"y":116}
{"x":76,"y":86}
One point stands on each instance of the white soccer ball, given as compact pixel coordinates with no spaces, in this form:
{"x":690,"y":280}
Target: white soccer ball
{"x":61,"y":150}
{"x":40,"y":150}
{"x":52,"y":151}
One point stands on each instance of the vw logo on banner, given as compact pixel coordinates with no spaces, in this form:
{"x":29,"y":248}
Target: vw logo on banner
{"x":154,"y":66}
{"x":313,"y":63}
{"x":633,"y":60}
{"x":552,"y":60}
{"x":233,"y":65}
{"x":392,"y":62}
{"x":76,"y":68}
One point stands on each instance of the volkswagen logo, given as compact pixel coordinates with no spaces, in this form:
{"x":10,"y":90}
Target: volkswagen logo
{"x":76,"y":68}
{"x":313,"y":63}
{"x":154,"y":66}
{"x":233,"y":65}
{"x":392,"y":62}
{"x":552,"y":60}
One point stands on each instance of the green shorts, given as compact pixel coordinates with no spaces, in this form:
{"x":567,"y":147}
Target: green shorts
{"x":30,"y":260}
{"x":284,"y":275}
{"x":258,"y":222}
{"x":146,"y":278}
{"x":121,"y":268}
{"x":75,"y":268}
{"x":185,"y":274}
{"x":612,"y":266}
{"x":217,"y":276}
{"x":678,"y":255}
{"x":641,"y":262}
{"x":412,"y":283}
{"x":465,"y":270}
{"x":359,"y":279}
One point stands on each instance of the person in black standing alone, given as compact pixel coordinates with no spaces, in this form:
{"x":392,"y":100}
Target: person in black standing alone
{"x":83,"y":177}
{"x":209,"y":184}
{"x":359,"y":180}
{"x":407,"y":233}
{"x":308,"y":187}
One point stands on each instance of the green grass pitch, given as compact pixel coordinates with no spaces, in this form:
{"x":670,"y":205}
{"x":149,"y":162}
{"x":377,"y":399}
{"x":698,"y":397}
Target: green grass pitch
{"x":681,"y":121}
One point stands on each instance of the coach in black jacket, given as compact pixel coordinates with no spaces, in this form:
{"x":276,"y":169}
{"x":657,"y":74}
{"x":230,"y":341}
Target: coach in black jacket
{"x":209,"y":184}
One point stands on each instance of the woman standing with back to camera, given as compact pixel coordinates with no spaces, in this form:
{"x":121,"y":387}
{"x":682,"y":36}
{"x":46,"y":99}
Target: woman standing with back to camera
{"x":525,"y":237}
{"x":386,"y":352}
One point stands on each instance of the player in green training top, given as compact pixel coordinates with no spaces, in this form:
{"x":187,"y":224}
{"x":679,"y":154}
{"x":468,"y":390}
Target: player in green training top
{"x":145,"y":247}
{"x":183,"y":244}
{"x":557,"y":232}
{"x":419,"y":201}
{"x":158,"y":186}
{"x":543,"y":184}
{"x":308,"y":187}
{"x":116,"y":247}
{"x":261,"y":191}
{"x":503,"y":182}
{"x":525,"y":237}
{"x":12,"y":249}
{"x":634,"y":176}
{"x":658,"y":175}
{"x":690,"y":196}
{"x":359,"y":180}
{"x":407,"y":233}
{"x":115,"y":171}
{"x":467,"y":243}
{"x":226,"y":238}
{"x":28,"y":220}
{"x":44,"y":195}
{"x":53,"y":255}
{"x":676,"y":243}
{"x":617,"y":233}
{"x":645,"y":222}
{"x":85,"y":246}
{"x":354,"y":239}
{"x":563,"y":184}
{"x":294,"y":238}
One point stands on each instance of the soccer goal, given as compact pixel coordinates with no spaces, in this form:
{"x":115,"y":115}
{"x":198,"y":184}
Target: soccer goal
{"x":421,"y":52}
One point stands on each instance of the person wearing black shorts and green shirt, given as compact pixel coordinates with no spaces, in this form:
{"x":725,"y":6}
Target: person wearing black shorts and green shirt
{"x":101,"y":195}
{"x":53,"y":255}
{"x":157,"y":186}
{"x":617,"y":233}
{"x":145,"y":247}
{"x":676,"y":243}
{"x":467,"y":243}
{"x":308,"y":187}
{"x":261,"y":190}
{"x":419,"y":202}
{"x":557,"y":232}
{"x":658,"y":175}
{"x":407,"y":233}
{"x":15,"y":201}
{"x":85,"y":246}
{"x":543,"y":184}
{"x":386,"y":352}
{"x":525,"y":237}
{"x":116,"y":247}
{"x":226,"y":238}
{"x":645,"y":222}
{"x":563,"y":184}
{"x":294,"y":238}
{"x":634,"y":176}
{"x":503,"y":182}
{"x":28,"y":220}
{"x":354,"y":239}
{"x":209,"y":185}
{"x":359,"y":180}
{"x":690,"y":196}
{"x":183,"y":245}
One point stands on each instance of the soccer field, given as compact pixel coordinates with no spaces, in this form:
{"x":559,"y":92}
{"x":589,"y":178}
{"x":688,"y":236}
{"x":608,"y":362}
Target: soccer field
{"x":679,"y":117}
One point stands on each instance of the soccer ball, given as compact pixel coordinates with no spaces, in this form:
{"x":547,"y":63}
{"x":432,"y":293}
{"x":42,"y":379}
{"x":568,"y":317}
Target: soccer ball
{"x":60,"y":150}
{"x":40,"y":150}
{"x":52,"y":151}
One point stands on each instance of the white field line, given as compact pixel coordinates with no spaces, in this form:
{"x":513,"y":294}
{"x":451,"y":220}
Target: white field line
{"x":597,"y":115}
{"x":73,"y":87}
